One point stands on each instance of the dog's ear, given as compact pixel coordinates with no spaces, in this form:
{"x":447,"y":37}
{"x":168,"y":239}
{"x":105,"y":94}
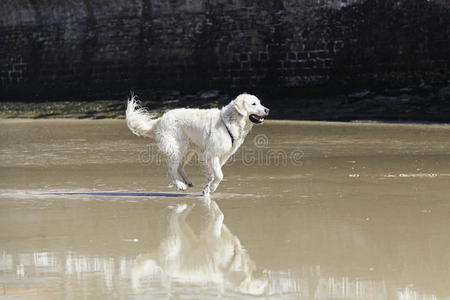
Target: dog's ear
{"x":239,"y":105}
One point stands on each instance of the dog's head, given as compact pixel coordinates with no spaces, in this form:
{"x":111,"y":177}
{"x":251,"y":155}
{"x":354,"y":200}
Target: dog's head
{"x":250,"y":107}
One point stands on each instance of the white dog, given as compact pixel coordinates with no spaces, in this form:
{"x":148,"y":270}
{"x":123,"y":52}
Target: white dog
{"x":215,"y":134}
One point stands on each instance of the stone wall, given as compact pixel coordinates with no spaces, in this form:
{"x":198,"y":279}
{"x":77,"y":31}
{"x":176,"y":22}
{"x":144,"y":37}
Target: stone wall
{"x":96,"y":48}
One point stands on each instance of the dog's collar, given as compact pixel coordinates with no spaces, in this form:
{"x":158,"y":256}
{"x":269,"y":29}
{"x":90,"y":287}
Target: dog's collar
{"x":229,"y":132}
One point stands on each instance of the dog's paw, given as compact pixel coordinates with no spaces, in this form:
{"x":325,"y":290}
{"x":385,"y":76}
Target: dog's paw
{"x":181,"y":185}
{"x":188,"y":181}
{"x":206,"y":191}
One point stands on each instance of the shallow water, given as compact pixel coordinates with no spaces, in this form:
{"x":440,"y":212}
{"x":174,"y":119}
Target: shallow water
{"x":310,"y":211}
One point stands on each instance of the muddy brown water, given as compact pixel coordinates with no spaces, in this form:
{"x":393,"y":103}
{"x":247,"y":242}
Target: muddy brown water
{"x":310,"y":210}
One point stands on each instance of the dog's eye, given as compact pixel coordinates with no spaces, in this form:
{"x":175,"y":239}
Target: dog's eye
{"x":254,"y":104}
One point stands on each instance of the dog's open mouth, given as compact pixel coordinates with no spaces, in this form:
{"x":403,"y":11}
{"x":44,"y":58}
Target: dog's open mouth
{"x":256,"y":119}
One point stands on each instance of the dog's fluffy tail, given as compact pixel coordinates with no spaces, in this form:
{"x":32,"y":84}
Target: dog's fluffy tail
{"x":139,"y":121}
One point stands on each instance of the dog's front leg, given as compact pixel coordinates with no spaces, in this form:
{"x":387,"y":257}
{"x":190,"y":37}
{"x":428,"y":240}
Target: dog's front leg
{"x":217,"y":170}
{"x":209,"y":178}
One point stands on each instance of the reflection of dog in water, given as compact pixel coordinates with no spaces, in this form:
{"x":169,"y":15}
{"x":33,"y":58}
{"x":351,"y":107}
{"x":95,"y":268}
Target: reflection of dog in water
{"x":215,"y":255}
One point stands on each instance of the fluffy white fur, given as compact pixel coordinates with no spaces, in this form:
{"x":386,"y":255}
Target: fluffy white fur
{"x":182,"y":132}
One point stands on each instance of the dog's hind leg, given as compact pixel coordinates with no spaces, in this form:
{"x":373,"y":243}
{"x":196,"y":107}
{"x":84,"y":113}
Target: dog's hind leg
{"x":178,"y":228}
{"x":183,"y":174}
{"x":173,"y":150}
{"x":184,"y":230}
{"x":174,"y":165}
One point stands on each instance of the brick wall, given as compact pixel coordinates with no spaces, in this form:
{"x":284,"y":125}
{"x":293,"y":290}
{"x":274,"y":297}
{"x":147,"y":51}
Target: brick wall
{"x":80,"y":48}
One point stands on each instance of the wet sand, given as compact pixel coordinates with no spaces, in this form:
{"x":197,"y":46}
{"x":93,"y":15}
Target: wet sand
{"x":311,"y":210}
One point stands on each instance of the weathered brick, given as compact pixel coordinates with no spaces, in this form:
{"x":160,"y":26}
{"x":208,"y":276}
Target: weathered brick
{"x":177,"y":43}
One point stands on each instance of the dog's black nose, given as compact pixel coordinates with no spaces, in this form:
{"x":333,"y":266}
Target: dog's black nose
{"x":266,"y":110}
